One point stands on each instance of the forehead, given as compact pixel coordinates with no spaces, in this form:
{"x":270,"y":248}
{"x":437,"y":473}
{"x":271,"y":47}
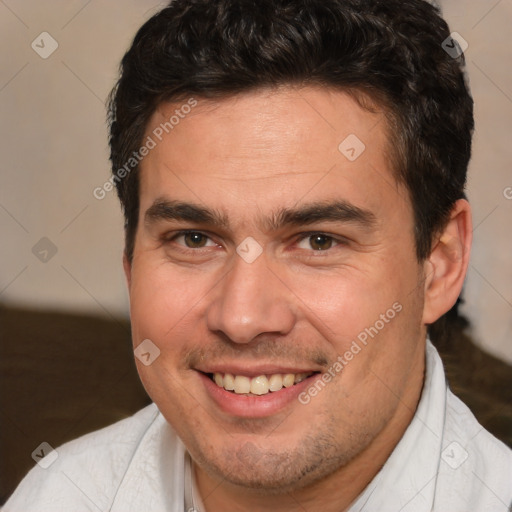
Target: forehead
{"x":269,"y":147}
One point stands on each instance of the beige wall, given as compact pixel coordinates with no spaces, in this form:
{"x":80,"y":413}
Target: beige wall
{"x":486,"y":26}
{"x":54,"y":153}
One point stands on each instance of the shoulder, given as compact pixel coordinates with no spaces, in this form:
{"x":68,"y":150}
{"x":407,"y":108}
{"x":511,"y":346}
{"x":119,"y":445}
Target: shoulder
{"x":475,"y":467}
{"x":84,"y":474}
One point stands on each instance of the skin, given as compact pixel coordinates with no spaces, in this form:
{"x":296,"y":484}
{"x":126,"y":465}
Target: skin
{"x":299,"y":304}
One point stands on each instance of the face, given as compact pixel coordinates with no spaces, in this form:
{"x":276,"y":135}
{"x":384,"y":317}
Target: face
{"x":267,"y":254}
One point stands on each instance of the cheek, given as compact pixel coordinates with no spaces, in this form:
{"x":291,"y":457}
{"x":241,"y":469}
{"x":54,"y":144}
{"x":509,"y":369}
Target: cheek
{"x":342,"y":304}
{"x":164,"y":304}
{"x":369,"y":317}
{"x":388,"y":348}
{"x":162,"y":301}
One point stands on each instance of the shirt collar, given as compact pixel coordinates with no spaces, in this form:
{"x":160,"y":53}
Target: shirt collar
{"x":193,"y":502}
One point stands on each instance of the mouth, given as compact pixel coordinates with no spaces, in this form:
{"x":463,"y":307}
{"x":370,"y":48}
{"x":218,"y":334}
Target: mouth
{"x":259,"y":385}
{"x":258,"y":392}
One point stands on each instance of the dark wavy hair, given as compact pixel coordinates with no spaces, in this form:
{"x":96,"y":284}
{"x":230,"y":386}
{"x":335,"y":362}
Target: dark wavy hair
{"x":388,"y":51}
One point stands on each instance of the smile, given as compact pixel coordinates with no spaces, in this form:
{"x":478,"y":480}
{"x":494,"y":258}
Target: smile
{"x":257,"y":386}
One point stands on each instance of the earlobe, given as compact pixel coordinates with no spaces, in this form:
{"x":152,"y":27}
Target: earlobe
{"x":446,"y":267}
{"x":127,"y":266}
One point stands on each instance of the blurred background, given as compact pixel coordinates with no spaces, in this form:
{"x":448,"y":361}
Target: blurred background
{"x":61,"y":247}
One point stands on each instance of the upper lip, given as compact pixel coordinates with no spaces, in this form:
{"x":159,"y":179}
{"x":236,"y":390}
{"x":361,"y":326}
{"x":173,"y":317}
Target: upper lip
{"x":254,"y":370}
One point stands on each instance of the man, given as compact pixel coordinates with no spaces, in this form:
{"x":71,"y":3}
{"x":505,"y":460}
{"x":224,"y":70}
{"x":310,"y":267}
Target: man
{"x":292,"y":177}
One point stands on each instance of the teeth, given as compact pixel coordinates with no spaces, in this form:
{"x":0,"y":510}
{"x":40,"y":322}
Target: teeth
{"x":260,"y":385}
{"x":275,"y":383}
{"x":300,"y":377}
{"x":288,"y":380}
{"x":242,"y":384}
{"x":229,"y":381}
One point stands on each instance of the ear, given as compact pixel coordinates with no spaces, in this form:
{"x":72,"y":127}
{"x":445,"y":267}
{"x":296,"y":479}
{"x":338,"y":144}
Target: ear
{"x":446,"y":267}
{"x":127,"y":270}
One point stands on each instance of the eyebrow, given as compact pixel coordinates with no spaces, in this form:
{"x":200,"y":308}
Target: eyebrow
{"x":163,"y":209}
{"x":311,"y":213}
{"x":330,"y":211}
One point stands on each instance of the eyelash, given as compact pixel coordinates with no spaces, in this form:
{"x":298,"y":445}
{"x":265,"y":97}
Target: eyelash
{"x":301,"y":237}
{"x":337,"y":241}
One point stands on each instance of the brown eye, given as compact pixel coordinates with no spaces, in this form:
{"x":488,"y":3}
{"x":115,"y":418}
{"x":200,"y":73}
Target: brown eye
{"x":320,"y":242}
{"x":195,"y":240}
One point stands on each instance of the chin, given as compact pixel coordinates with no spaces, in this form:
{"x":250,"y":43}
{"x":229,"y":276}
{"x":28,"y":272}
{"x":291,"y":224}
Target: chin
{"x":270,"y":472}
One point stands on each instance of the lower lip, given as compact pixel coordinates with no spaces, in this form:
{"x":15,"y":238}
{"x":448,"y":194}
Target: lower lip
{"x":255,"y":406}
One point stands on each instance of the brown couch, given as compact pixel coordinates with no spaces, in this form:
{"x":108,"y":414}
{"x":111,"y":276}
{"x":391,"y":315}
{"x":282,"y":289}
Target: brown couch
{"x":63,"y":375}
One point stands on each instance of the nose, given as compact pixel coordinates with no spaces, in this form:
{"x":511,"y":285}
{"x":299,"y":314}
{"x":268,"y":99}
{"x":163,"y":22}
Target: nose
{"x":251,"y":300}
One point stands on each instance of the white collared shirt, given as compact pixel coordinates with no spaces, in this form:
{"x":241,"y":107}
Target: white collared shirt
{"x":445,"y":462}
